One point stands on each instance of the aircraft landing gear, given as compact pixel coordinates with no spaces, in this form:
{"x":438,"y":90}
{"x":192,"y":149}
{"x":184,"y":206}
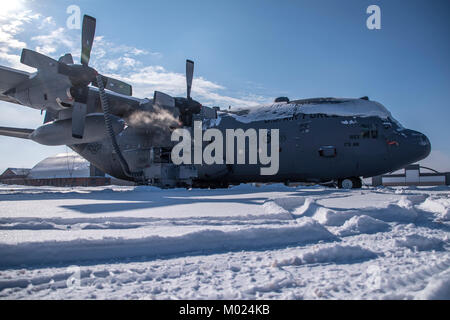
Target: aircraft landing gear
{"x":350,"y":183}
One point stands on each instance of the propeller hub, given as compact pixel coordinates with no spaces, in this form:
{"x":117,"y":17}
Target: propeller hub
{"x":188,"y":105}
{"x":79,"y":74}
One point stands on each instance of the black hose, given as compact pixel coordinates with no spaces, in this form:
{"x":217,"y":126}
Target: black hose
{"x":136,"y":176}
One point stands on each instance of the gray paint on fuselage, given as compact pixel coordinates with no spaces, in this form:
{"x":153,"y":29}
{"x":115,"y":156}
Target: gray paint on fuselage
{"x":300,"y":141}
{"x":301,"y":137}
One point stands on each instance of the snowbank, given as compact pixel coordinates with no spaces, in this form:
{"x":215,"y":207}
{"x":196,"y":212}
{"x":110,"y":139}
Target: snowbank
{"x":204,"y":241}
{"x":336,"y":254}
{"x":399,"y":211}
{"x":148,"y":243}
{"x":362,"y":224}
{"x":420,"y":243}
{"x":439,"y":206}
{"x":297,"y":206}
{"x":437,"y":289}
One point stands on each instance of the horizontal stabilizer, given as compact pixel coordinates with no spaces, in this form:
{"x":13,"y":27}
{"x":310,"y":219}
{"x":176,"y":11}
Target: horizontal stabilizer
{"x":16,"y":132}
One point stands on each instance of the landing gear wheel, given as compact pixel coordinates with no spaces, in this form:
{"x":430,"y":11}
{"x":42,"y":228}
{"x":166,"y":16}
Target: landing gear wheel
{"x":350,"y":183}
{"x":346,"y":184}
{"x":357,"y":183}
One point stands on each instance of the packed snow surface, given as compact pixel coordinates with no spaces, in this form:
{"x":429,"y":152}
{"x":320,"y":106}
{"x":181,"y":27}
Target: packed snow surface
{"x":246,"y":242}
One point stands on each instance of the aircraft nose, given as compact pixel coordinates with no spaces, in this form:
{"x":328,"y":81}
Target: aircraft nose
{"x":420,"y":144}
{"x":425,"y":142}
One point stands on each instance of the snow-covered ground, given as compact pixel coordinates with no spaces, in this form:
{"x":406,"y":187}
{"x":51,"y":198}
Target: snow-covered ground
{"x":247,"y":242}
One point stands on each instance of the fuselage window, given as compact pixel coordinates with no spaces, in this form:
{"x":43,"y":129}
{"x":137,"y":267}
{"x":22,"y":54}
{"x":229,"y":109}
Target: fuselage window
{"x":365,"y":134}
{"x":374,"y":134}
{"x":304,"y":127}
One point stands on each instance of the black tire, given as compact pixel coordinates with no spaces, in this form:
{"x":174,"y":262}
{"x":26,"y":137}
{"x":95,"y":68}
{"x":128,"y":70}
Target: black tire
{"x":346,"y":183}
{"x":357,"y":183}
{"x":350,"y":183}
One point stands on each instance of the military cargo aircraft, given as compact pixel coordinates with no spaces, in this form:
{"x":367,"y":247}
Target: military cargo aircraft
{"x":317,"y":140}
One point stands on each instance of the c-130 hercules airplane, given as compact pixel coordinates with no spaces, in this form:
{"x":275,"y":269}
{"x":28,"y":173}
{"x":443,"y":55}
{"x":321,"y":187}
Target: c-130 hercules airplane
{"x":316,"y":140}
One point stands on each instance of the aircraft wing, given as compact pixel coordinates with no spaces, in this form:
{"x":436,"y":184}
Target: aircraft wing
{"x":16,"y":132}
{"x":10,"y":78}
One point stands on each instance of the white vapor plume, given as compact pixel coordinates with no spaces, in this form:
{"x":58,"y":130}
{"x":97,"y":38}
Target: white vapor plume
{"x":156,"y":124}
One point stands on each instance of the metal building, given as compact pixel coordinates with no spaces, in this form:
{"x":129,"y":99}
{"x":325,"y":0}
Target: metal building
{"x":413,"y":176}
{"x":61,"y":170}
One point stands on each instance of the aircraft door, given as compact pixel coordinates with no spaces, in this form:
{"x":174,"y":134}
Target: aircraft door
{"x":328,"y":151}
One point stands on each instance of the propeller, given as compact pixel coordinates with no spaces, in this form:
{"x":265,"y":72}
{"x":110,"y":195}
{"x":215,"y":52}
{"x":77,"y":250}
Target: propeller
{"x":80,"y":75}
{"x":184,"y":104}
{"x":161,"y":99}
{"x":187,"y":106}
{"x":79,"y":111}
{"x":87,"y":38}
{"x":115,"y":85}
{"x":38,"y":60}
{"x":189,"y":76}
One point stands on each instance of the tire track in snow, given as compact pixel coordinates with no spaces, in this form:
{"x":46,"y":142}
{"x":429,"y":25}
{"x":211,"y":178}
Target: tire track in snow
{"x":24,"y":223}
{"x":410,"y":281}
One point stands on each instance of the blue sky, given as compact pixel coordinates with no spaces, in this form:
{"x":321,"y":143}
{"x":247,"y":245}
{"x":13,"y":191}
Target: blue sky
{"x":249,"y":52}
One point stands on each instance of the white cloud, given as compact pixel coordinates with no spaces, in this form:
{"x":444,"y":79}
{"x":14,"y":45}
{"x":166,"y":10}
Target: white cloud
{"x":103,"y":48}
{"x":13,"y":61}
{"x":12,"y":23}
{"x":120,"y":61}
{"x":7,"y":41}
{"x":145,"y":80}
{"x":46,"y":22}
{"x":56,"y":40}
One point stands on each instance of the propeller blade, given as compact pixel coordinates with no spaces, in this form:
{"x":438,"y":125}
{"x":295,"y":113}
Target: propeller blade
{"x":189,"y":76}
{"x":115,"y":85}
{"x":163,"y":100}
{"x":79,"y":111}
{"x":50,"y":116}
{"x":87,"y":38}
{"x":39,"y":61}
{"x":66,"y":59}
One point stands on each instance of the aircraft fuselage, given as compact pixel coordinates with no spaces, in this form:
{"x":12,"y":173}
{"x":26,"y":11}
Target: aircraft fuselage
{"x":313,"y":147}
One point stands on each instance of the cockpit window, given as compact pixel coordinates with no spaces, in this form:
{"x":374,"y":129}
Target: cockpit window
{"x":398,"y":124}
{"x":368,"y":132}
{"x":365,"y":134}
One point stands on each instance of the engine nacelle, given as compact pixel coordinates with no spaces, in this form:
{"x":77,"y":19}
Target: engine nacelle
{"x":59,"y":132}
